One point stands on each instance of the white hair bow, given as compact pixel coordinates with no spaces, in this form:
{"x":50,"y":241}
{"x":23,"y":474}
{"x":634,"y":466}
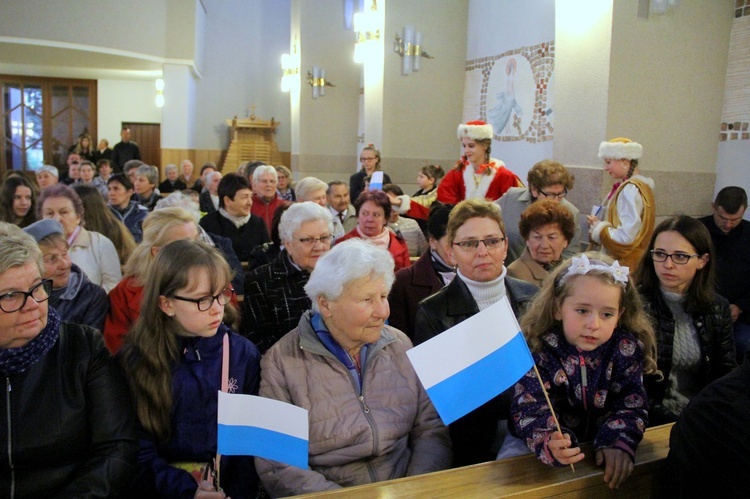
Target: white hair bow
{"x":582,"y":266}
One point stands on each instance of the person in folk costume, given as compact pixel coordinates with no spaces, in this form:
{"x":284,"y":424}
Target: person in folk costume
{"x":476,"y":175}
{"x":628,"y":212}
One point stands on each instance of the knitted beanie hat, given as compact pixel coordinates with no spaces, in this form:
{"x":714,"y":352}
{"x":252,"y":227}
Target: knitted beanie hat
{"x":620,"y":148}
{"x":475,"y":130}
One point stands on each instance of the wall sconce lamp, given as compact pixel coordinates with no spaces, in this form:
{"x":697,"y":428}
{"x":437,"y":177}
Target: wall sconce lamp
{"x":367,"y":32}
{"x":409,"y":47}
{"x":317,"y":80}
{"x":159,"y":93}
{"x":290,"y":69}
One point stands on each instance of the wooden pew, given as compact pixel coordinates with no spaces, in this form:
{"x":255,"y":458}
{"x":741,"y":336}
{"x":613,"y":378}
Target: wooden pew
{"x":526,"y":477}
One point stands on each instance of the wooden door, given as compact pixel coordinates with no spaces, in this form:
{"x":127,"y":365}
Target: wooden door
{"x":148,"y":138}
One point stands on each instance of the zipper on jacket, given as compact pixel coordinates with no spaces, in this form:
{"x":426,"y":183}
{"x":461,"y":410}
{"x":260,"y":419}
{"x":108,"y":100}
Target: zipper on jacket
{"x":375,"y":433}
{"x":584,"y":381}
{"x":10,"y":439}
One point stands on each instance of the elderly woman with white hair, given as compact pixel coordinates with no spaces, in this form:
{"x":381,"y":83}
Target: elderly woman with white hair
{"x":312,"y":189}
{"x":370,"y":418}
{"x":172,"y":183}
{"x":275,"y":296}
{"x":68,"y":426}
{"x":209,"y":198}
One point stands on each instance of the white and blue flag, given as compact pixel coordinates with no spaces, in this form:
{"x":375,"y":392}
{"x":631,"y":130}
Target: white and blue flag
{"x":472,"y":362}
{"x":267,"y":428}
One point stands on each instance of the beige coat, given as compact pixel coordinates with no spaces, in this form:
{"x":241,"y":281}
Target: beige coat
{"x":527,"y":269}
{"x":394,"y":431}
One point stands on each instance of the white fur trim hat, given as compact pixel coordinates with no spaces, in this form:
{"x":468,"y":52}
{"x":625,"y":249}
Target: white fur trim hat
{"x":620,"y":148}
{"x":475,"y":130}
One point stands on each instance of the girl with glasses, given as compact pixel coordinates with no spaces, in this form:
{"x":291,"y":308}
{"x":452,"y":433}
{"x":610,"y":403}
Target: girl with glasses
{"x":173,"y":358}
{"x":369,"y":157}
{"x":693,"y":324}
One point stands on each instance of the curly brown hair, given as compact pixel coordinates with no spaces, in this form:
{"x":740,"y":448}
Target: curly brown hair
{"x":545,"y":212}
{"x":548,"y":172}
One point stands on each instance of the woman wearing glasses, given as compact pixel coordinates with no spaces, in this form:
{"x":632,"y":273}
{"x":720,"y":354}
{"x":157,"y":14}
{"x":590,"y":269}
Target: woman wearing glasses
{"x":548,"y":180}
{"x":693,"y":324}
{"x":373,"y":211}
{"x":369,"y":416}
{"x":275,"y":297}
{"x":174,"y":358}
{"x":370,"y":159}
{"x":476,"y":235}
{"x":67,"y":424}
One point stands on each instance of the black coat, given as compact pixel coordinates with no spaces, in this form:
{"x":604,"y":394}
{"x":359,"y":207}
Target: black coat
{"x":413,"y":284}
{"x":244,"y":239}
{"x":168,"y":187}
{"x":715,"y":333}
{"x":709,"y":452}
{"x":71,"y":421}
{"x":472,"y":435}
{"x":357,"y":183}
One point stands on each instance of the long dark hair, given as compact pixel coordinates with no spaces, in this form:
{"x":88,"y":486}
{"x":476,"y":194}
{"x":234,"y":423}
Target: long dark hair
{"x":99,"y":218}
{"x":700,"y":293}
{"x":8,"y":192}
{"x":151,"y":348}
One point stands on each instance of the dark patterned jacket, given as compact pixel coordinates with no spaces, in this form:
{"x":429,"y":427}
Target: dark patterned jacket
{"x":607,"y":404}
{"x":275,"y":299}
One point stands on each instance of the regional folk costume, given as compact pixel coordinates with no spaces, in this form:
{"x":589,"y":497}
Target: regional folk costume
{"x":629,"y":217}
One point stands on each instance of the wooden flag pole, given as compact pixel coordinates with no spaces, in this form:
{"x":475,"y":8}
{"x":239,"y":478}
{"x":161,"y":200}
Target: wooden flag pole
{"x":549,"y":404}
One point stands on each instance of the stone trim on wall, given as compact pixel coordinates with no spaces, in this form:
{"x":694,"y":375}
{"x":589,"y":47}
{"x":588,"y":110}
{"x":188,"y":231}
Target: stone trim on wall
{"x":735,"y":131}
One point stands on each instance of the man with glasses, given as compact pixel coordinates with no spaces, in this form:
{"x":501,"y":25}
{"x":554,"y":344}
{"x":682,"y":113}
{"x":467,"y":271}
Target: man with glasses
{"x":547,"y":180}
{"x":731,"y":237}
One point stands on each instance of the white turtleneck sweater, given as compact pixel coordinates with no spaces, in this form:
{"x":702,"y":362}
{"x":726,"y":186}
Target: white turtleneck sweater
{"x":486,"y":293}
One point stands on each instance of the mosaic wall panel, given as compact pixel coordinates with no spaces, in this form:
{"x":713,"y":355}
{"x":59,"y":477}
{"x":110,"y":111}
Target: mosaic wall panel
{"x":512,"y":91}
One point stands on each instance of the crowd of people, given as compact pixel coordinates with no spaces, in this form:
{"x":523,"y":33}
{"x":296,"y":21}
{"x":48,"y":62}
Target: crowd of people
{"x":127,"y":303}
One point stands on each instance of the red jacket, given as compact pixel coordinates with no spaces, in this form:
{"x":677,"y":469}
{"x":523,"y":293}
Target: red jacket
{"x":397,"y":247}
{"x":265,"y":210}
{"x":124,"y":308}
{"x":452,"y":189}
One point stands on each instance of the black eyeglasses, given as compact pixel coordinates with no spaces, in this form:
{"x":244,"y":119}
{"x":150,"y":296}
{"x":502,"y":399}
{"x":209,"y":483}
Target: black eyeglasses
{"x":15,"y":300}
{"x":554,"y":195}
{"x":677,"y":258}
{"x":205,"y":302}
{"x":473,"y":244}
